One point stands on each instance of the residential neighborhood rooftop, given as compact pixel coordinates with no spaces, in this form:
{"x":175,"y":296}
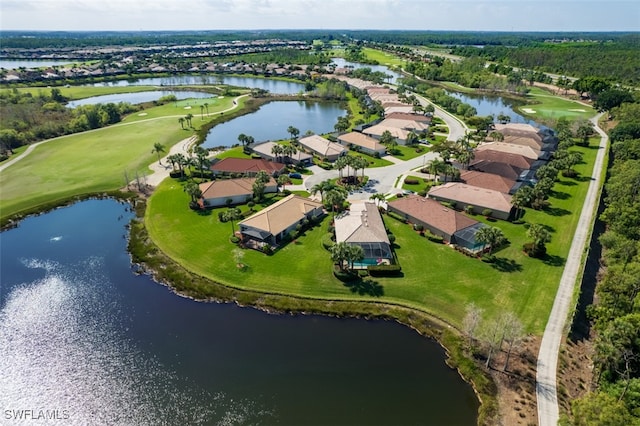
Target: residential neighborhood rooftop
{"x":279,"y":216}
{"x":433,"y":213}
{"x":362,"y":223}
{"x":246,"y":165}
{"x":472,"y":195}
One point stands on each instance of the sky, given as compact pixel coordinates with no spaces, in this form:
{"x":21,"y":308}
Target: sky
{"x":458,"y":15}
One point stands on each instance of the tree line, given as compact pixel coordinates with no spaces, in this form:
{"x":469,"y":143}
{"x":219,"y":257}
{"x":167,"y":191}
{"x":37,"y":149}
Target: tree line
{"x":615,"y":399}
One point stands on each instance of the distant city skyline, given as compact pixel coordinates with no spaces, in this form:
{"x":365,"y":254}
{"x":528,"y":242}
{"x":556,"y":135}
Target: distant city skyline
{"x":454,"y":15}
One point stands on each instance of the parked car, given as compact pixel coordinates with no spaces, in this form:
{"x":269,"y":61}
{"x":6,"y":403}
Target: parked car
{"x":295,"y":175}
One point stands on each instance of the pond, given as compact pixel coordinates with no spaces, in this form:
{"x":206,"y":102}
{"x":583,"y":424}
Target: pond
{"x":342,"y":63}
{"x":138,"y":97}
{"x":493,"y":105}
{"x":279,"y":87}
{"x":271,"y":121}
{"x":83,"y":334}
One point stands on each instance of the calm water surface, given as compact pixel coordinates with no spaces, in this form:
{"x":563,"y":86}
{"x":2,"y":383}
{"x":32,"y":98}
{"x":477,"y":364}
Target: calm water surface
{"x":274,"y":86}
{"x":82,"y":334}
{"x":138,"y":97}
{"x":15,"y":64}
{"x":272,"y":120}
{"x":493,"y":105}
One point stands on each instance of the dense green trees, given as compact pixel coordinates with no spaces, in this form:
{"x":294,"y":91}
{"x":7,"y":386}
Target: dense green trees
{"x":616,"y":316}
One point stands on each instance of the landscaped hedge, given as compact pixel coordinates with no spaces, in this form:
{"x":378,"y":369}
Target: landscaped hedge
{"x":384,"y":270}
{"x":327,"y":241}
{"x":396,"y":216}
{"x":411,"y":181}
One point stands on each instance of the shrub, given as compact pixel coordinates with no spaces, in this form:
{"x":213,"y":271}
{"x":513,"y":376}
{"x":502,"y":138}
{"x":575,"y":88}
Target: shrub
{"x":435,"y":238}
{"x":412,"y":181}
{"x":344,"y":275}
{"x":221,"y":216}
{"x":266,"y":249}
{"x":234,"y":239}
{"x":468,"y":209}
{"x":327,"y":241}
{"x":396,"y":216}
{"x":533,"y":250}
{"x":384,"y":270}
{"x":362,"y":273}
{"x":487,"y":212}
{"x":392,"y":238}
{"x":418,"y":227}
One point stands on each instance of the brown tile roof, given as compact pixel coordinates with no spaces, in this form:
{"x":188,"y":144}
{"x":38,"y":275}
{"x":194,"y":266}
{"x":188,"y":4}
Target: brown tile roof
{"x":432,"y":213}
{"x":360,"y":139}
{"x":466,"y":194}
{"x":510,"y":148}
{"x":487,"y":180}
{"x":502,"y":157}
{"x":281,"y":215}
{"x":246,"y":165}
{"x":406,"y":116}
{"x":524,"y":141}
{"x":519,"y":129}
{"x":502,"y":169}
{"x":230,"y":187}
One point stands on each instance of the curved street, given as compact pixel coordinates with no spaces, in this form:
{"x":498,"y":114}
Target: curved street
{"x":546,"y":379}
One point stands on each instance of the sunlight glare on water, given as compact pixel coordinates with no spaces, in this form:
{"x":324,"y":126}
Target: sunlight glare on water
{"x":61,"y":352}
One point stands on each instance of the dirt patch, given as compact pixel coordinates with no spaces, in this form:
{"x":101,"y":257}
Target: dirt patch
{"x":517,"y":385}
{"x":575,"y":371}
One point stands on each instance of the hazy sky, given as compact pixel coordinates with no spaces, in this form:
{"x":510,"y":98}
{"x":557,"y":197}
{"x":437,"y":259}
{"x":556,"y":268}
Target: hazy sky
{"x":483,"y":15}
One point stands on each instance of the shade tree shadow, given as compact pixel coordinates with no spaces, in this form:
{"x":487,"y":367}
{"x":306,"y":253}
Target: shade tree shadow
{"x":553,"y":260}
{"x":365,"y":287}
{"x":503,"y":264}
{"x":556,"y":211}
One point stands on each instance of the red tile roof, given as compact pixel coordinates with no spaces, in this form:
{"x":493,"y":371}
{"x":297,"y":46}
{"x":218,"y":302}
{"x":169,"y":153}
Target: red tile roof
{"x":487,"y":180}
{"x":432,"y":213}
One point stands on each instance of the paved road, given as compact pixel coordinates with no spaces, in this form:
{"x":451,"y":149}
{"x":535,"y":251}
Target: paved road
{"x":546,"y":381}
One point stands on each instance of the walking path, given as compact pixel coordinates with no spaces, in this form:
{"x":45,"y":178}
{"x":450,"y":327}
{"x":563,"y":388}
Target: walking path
{"x":546,"y":380}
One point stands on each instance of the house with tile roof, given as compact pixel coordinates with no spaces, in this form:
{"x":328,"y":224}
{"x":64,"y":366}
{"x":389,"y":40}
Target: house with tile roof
{"x":362,"y":143}
{"x":515,"y":160}
{"x":264,"y":151}
{"x":271,"y":224}
{"x":322,"y":147}
{"x":461,"y":195}
{"x":246,"y":166}
{"x":510,"y":148}
{"x":488,"y":181}
{"x":218,"y":192}
{"x":362,"y":225}
{"x":454,"y":227}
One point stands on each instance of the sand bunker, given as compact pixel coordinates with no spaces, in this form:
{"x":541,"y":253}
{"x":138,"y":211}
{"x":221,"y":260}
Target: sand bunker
{"x":529,"y":110}
{"x":187,"y":107}
{"x":578,"y":110}
{"x":142,"y":114}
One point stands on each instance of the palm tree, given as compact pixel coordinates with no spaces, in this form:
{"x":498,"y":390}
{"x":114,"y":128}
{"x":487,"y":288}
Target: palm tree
{"x":340,"y":164}
{"x":339,"y":254}
{"x":201,"y":158}
{"x":289,"y":151}
{"x":322,"y":188}
{"x":490,"y":236}
{"x":193,"y":189}
{"x":377,"y":197}
{"x":540,"y":236}
{"x":496,"y":136}
{"x":232,"y":215}
{"x":158,"y":148}
{"x":335,"y":197}
{"x":465,"y":156}
{"x":277,"y":150}
{"x":181,"y":121}
{"x":201,"y":112}
{"x":522,"y":198}
{"x":206,"y":105}
{"x":293,"y":132}
{"x":435,"y":167}
{"x":360,"y":162}
{"x":283,"y":180}
{"x":242,"y":138}
{"x":355,"y":253}
{"x":188,"y":117}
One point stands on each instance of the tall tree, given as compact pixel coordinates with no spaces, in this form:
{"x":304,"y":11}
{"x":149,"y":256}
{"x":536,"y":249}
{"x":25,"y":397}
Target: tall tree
{"x":158,"y":148}
{"x":231,"y":215}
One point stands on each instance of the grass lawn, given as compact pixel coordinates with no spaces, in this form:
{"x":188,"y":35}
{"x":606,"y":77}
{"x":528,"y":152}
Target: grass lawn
{"x":552,"y":107}
{"x":373,"y":161}
{"x":420,"y":186}
{"x":383,"y":58}
{"x":437,"y":279}
{"x":92,"y":161}
{"x":235,"y":152}
{"x":409,"y":152}
{"x":81,"y":92}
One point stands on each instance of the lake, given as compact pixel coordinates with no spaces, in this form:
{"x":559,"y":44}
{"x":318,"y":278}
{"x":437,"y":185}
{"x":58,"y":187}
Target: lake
{"x":279,"y":87}
{"x":342,"y":63}
{"x":82,"y":334}
{"x":138,"y":97}
{"x":271,"y":121}
{"x":493,"y":105}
